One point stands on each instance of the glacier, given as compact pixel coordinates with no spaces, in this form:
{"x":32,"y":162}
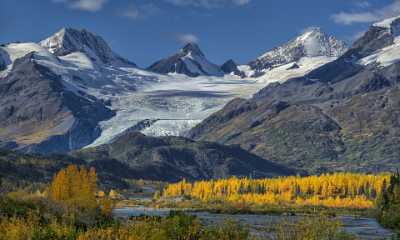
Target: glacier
{"x":156,"y":104}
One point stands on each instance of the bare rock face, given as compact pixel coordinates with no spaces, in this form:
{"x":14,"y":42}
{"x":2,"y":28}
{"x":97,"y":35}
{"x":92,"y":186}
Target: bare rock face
{"x":190,"y":61}
{"x":175,"y":158}
{"x":2,"y":64}
{"x":3,"y":61}
{"x":230,"y":67}
{"x":40,"y":114}
{"x":375,"y":38}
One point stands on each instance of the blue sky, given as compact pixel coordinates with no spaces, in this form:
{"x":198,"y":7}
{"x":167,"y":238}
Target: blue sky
{"x":146,"y":30}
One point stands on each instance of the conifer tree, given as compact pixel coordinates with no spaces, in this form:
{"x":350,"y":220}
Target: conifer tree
{"x":389,"y":203}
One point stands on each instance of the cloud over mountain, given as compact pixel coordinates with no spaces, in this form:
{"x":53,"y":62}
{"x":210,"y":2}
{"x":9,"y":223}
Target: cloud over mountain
{"x":84,"y":5}
{"x":135,"y":12}
{"x":209,"y":3}
{"x":186,"y":38}
{"x":368,"y":16}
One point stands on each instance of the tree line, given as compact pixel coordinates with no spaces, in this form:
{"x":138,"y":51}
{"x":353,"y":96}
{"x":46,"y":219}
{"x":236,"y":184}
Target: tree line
{"x":341,"y":190}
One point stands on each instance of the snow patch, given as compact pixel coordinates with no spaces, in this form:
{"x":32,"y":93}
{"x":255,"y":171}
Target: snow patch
{"x":384,"y":57}
{"x":287,"y":71}
{"x":387,"y":23}
{"x":19,"y":50}
{"x":170,"y":127}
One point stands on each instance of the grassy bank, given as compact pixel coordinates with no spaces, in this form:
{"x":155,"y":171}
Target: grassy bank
{"x":240,"y":208}
{"x":26,"y":216}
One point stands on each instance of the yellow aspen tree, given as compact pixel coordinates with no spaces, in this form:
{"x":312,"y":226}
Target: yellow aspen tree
{"x":76,"y":187}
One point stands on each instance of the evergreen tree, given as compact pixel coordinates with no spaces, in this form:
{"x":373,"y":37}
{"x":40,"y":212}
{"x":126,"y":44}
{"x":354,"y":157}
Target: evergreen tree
{"x":389,"y":203}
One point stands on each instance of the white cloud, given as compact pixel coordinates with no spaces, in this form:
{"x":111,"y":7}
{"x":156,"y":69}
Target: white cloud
{"x":208,"y":3}
{"x":186,"y":38}
{"x":363,"y":4}
{"x":132,"y":13}
{"x":141,"y":11}
{"x":348,"y":18}
{"x":84,"y":5}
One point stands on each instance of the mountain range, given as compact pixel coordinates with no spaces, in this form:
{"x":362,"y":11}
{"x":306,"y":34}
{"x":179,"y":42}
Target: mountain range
{"x":343,"y":115}
{"x":173,"y":95}
{"x":309,"y":106}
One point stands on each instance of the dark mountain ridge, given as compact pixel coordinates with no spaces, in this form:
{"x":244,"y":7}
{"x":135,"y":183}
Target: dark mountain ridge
{"x":175,"y":158}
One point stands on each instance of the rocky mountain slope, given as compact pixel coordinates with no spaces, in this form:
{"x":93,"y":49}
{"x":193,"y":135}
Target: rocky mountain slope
{"x":18,"y":170}
{"x":56,"y":93}
{"x":190,"y":61}
{"x":341,"y":116}
{"x":175,"y":158}
{"x":3,"y":64}
{"x":39,"y":113}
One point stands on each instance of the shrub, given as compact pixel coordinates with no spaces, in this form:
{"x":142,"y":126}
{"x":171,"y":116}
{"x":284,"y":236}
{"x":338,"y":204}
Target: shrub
{"x":311,"y":228}
{"x":228,"y":230}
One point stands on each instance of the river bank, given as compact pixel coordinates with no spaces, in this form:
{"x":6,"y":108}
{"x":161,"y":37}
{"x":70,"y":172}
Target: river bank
{"x":263,"y":225}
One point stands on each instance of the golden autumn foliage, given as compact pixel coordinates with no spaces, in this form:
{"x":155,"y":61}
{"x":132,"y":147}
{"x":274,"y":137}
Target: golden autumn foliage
{"x":106,"y":207}
{"x":178,"y":227}
{"x":338,"y":190}
{"x":75,"y":187}
{"x":101,"y":194}
{"x":113,"y":194}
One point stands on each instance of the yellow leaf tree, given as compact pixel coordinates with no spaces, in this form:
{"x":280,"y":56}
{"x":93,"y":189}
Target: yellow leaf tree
{"x":75,"y":187}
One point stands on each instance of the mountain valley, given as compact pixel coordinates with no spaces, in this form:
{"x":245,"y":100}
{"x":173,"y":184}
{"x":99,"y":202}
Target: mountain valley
{"x":170,"y":101}
{"x":310,"y":101}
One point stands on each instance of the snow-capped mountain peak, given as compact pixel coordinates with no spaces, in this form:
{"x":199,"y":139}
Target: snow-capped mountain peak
{"x":317,"y":43}
{"x":190,"y":60}
{"x":310,"y":33}
{"x":69,"y":40}
{"x":313,"y":42}
{"x":192,"y":48}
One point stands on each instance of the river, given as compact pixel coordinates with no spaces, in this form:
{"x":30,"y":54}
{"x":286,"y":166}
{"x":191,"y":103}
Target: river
{"x":260,"y":225}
